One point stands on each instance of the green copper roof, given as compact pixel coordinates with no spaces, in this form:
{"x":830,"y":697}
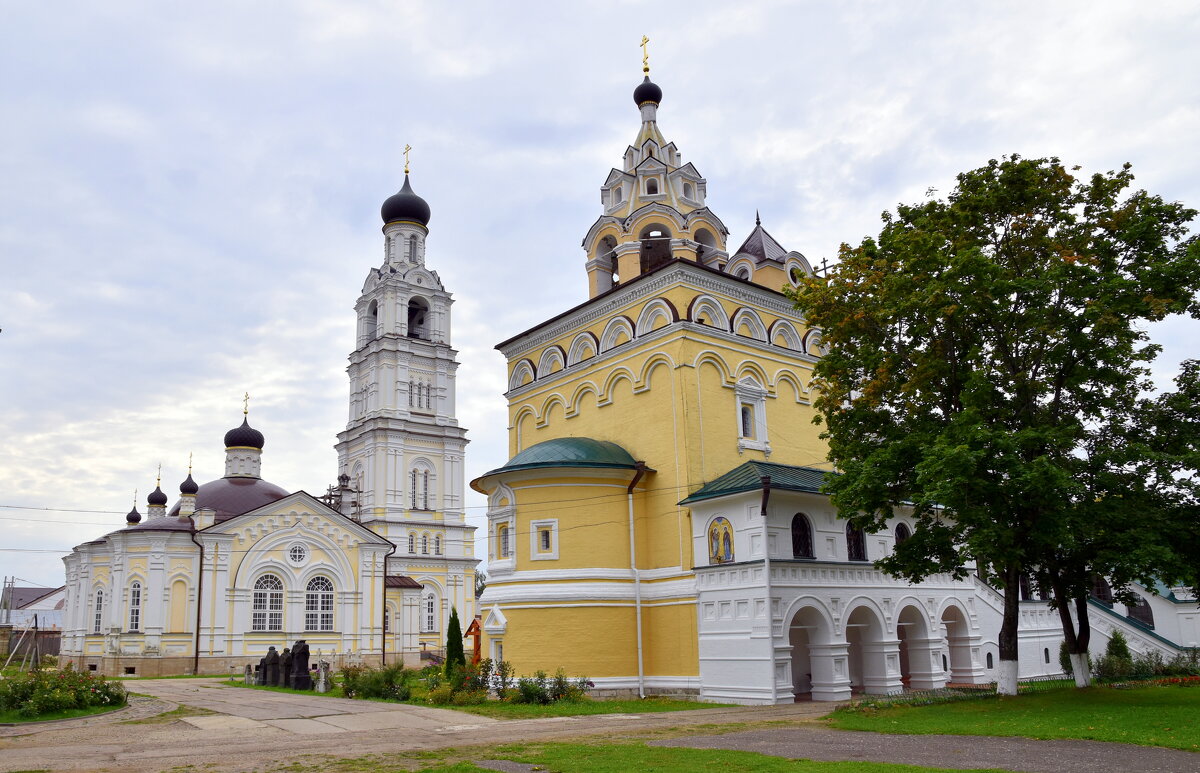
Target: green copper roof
{"x":748,"y":477}
{"x":571,"y":452}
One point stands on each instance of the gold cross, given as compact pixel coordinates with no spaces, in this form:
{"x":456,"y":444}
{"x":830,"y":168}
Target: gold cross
{"x":189,"y":462}
{"x":645,"y":55}
{"x":135,"y":499}
{"x":407,"y":148}
{"x":246,"y":405}
{"x":159,"y":483}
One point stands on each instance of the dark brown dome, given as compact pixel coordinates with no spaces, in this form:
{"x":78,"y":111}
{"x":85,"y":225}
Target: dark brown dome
{"x":234,"y":496}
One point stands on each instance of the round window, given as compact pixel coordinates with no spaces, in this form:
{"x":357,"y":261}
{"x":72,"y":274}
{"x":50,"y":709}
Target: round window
{"x":297,"y":554}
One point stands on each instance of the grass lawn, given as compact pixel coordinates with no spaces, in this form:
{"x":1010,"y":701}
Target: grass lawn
{"x":601,"y":758}
{"x":12,"y":717}
{"x":530,"y":710}
{"x":1148,"y":716}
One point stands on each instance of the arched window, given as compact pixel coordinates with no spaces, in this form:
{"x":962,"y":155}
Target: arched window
{"x":504,"y":541}
{"x":856,"y":544}
{"x":1046,"y":654}
{"x":135,"y":606}
{"x":412,"y":543}
{"x":425,"y":544}
{"x":1102,"y":591}
{"x":437,"y":544}
{"x":318,"y":605}
{"x":266,"y":611}
{"x":412,"y":248}
{"x":902,"y":532}
{"x":802,"y":541}
{"x":990,"y":663}
{"x":720,"y":542}
{"x":98,"y":618}
{"x":429,"y":617}
{"x":373,"y":320}
{"x":425,"y":490}
{"x":1141,"y":612}
{"x":1026,"y":588}
{"x":418,"y":319}
{"x":387,"y":620}
{"x":688,"y":192}
{"x":617,"y":195}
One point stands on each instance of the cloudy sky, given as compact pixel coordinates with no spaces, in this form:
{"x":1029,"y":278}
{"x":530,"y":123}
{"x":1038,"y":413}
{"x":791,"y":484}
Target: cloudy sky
{"x":189,"y":193}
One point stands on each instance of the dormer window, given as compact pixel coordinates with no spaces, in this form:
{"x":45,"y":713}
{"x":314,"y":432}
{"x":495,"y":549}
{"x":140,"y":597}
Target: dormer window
{"x":652,"y":187}
{"x":688,"y":191}
{"x":616,"y":195}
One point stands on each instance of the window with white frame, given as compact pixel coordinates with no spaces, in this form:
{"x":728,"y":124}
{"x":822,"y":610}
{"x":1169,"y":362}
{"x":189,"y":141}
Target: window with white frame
{"x":266,"y":609}
{"x":543,"y":540}
{"x":751,"y":416}
{"x":135,"y":606}
{"x":503,"y":541}
{"x":98,"y":618}
{"x":318,"y":605}
{"x":437,"y":544}
{"x":429,"y":616}
{"x":412,"y":543}
{"x":425,"y":544}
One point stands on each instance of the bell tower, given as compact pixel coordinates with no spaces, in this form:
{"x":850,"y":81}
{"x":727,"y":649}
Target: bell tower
{"x":654,"y":206}
{"x":402,"y":448}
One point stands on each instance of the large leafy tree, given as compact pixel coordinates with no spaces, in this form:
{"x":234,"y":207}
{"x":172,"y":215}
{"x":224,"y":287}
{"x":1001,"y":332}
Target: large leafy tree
{"x":977,"y":346}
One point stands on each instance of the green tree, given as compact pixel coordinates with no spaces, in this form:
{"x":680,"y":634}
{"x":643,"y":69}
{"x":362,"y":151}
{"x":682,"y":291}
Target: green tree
{"x":481,"y":579}
{"x":455,"y":657}
{"x":976,"y":346}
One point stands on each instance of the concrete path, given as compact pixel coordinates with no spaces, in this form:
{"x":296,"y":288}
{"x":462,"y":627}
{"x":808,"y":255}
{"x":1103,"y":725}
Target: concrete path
{"x":241,"y":709}
{"x":963,"y":752}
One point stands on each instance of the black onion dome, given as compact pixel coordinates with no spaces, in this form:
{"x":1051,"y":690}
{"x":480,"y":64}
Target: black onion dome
{"x":647,"y":91}
{"x":133,"y":517}
{"x":244,"y":436}
{"x":157,"y":497}
{"x":229,"y":497}
{"x":405,"y":205}
{"x":188,"y":486}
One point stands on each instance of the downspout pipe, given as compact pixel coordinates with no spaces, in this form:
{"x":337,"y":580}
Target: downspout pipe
{"x":199,"y":601}
{"x":383,"y":611}
{"x":638,"y":472}
{"x":766,"y":499}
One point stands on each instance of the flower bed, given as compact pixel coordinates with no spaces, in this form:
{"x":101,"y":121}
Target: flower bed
{"x":40,"y":693}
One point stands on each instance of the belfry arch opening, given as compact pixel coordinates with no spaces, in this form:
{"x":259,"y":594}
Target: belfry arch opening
{"x":418,"y":319}
{"x":706,"y":244}
{"x":656,"y":247}
{"x":606,"y":253}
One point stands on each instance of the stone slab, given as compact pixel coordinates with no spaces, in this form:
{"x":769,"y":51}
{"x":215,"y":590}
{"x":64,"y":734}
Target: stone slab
{"x":222,"y":722}
{"x":304,"y":726}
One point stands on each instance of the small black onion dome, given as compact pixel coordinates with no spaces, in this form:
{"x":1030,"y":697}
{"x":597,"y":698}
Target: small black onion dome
{"x":157,"y":497}
{"x":133,"y":517}
{"x":405,"y":205}
{"x":188,"y":486}
{"x":244,"y":436}
{"x":647,"y":91}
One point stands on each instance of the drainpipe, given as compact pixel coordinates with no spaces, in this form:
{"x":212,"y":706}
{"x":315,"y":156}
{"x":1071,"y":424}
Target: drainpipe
{"x":766,"y":498}
{"x":638,"y":472}
{"x":199,"y":602}
{"x":384,"y":631}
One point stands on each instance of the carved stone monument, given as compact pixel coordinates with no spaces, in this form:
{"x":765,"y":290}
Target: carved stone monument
{"x":301,"y":679}
{"x":285,"y":666}
{"x":271,"y":665}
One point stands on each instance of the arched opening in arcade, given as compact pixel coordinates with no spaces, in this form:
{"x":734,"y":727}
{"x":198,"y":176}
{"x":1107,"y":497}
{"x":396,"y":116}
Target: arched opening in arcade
{"x":956,"y":639}
{"x":920,"y":653}
{"x":807,"y":631}
{"x":872,"y":660}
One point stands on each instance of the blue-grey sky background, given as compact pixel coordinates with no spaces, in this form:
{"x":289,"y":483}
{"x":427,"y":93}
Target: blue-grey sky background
{"x":189,"y":194}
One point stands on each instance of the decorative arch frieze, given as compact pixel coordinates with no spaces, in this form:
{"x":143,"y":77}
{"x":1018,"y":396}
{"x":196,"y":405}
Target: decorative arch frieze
{"x":659,"y":310}
{"x":747,"y":323}
{"x":707,"y":310}
{"x":552,"y":360}
{"x":583,"y":347}
{"x":783,"y":333}
{"x":522,"y":373}
{"x":619,"y":330}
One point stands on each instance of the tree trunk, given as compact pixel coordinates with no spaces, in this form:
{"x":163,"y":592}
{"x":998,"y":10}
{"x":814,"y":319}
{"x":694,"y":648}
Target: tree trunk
{"x":1006,"y":682}
{"x":1077,"y":640}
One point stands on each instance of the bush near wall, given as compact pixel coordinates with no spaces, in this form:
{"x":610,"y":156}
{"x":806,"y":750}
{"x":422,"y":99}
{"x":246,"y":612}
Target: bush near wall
{"x":463,"y":685}
{"x":38,"y":693}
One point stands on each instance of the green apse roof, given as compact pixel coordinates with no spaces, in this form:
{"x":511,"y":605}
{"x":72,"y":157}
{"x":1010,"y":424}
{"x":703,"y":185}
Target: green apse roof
{"x":748,"y":477}
{"x":571,"y":452}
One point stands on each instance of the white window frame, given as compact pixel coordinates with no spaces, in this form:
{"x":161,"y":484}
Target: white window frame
{"x":266,"y":606}
{"x":318,"y":605}
{"x":135,"y":607}
{"x":98,"y":617}
{"x":429,"y":611}
{"x":749,"y":394}
{"x":536,"y":528}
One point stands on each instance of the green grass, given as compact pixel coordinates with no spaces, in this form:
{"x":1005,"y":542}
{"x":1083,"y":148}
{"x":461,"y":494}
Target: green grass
{"x":597,"y":758}
{"x":580,"y":708}
{"x":1147,"y":716}
{"x":12,"y":717}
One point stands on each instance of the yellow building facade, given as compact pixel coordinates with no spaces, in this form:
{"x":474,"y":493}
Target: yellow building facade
{"x":685,"y":362}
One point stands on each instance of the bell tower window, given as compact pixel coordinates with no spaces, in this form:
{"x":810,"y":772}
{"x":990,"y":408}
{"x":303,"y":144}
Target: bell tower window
{"x":418,"y":319}
{"x":652,"y":187}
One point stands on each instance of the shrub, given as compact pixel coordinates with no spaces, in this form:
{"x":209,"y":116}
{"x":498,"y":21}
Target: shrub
{"x":388,"y":683}
{"x":1118,"y":647}
{"x":481,"y":676}
{"x":560,"y":685}
{"x":38,"y":693}
{"x":455,"y":657}
{"x":468,"y":698}
{"x":533,"y":689}
{"x":504,"y":678}
{"x":441,"y":696}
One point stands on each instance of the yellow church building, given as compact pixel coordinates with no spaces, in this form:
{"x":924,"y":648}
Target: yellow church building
{"x":650,"y":427}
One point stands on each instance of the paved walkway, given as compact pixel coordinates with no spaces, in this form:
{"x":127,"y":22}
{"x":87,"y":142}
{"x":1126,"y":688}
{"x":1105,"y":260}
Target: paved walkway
{"x":260,"y":730}
{"x":241,"y":709}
